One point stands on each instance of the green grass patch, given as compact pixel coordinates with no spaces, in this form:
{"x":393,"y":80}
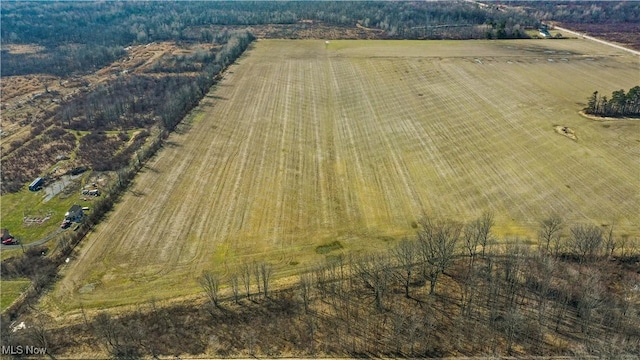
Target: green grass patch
{"x":9,"y":253}
{"x":327,"y":248}
{"x":10,"y":290}
{"x":29,"y":218}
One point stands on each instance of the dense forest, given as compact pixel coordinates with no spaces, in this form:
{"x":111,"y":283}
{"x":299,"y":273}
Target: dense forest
{"x":611,"y":12}
{"x":82,"y":36}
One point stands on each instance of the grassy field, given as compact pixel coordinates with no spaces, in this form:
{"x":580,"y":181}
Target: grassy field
{"x":305,"y":143}
{"x":10,"y":290}
{"x":29,"y":218}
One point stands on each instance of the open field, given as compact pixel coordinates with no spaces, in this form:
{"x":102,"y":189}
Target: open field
{"x":304,"y":143}
{"x":10,"y":290}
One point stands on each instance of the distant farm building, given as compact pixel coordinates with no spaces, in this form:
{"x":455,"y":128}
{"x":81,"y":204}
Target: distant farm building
{"x":36,"y":184}
{"x":75,"y":214}
{"x":544,"y":31}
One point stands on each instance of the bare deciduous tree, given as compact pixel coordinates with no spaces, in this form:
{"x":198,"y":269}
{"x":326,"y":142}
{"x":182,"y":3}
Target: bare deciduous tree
{"x":246,"y":280}
{"x":590,"y":298}
{"x":265,"y":272}
{"x":513,"y":267}
{"x":550,"y":232}
{"x":545,"y":273}
{"x":437,"y":242}
{"x":485,"y":224}
{"x":39,"y":334}
{"x":471,"y":236}
{"x":306,"y":284}
{"x":235,"y":287}
{"x":405,"y":255}
{"x":468,"y":290}
{"x":586,"y":241}
{"x":610,"y":243}
{"x":107,"y":330}
{"x":321,"y":280}
{"x":256,"y":272}
{"x":375,"y":272}
{"x":210,"y":283}
{"x":513,"y":322}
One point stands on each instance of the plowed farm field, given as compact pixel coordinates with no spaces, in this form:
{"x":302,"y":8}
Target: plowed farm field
{"x":305,"y":143}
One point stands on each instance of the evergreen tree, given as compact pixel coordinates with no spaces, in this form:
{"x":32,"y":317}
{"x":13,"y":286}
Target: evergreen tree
{"x":592,"y":104}
{"x":620,"y":104}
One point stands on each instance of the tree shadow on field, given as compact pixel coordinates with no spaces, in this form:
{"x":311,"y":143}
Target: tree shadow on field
{"x":216,"y":97}
{"x":181,"y":129}
{"x":151,"y":169}
{"x":172,"y":144}
{"x":136,"y":193}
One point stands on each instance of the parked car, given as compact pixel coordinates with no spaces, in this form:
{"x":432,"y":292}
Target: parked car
{"x":65,"y":224}
{"x":9,"y":241}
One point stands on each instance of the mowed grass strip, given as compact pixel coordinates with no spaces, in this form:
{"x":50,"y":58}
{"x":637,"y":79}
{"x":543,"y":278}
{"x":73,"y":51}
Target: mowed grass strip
{"x":303,"y":145}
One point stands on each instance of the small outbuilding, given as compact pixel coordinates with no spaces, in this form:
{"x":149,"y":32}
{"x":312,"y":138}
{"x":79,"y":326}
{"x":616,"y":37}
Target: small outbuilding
{"x":36,"y":184}
{"x":544,"y":31}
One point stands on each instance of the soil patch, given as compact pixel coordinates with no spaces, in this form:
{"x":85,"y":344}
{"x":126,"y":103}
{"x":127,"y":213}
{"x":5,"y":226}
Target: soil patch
{"x":568,"y":132}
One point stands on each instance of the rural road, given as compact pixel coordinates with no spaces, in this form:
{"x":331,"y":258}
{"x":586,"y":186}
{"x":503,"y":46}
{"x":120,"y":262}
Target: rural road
{"x":634,"y":52}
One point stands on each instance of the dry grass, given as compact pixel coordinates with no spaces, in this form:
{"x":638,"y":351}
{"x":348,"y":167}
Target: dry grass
{"x":304,"y":144}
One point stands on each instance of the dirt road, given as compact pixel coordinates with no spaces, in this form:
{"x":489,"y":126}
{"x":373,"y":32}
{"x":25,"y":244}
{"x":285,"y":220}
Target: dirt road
{"x":609,"y":43}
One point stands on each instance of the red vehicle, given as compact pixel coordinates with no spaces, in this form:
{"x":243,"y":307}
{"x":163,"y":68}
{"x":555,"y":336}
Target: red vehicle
{"x":65,"y":224}
{"x":9,"y":241}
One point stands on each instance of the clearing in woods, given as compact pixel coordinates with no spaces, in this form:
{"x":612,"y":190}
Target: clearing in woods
{"x":305,"y":143}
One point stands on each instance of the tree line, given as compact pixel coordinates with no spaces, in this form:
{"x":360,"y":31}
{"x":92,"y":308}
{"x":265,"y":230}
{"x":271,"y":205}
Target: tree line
{"x":450,"y":289}
{"x":138,"y":101}
{"x":619,"y":104}
{"x":585,"y":12}
{"x":83,"y":36}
